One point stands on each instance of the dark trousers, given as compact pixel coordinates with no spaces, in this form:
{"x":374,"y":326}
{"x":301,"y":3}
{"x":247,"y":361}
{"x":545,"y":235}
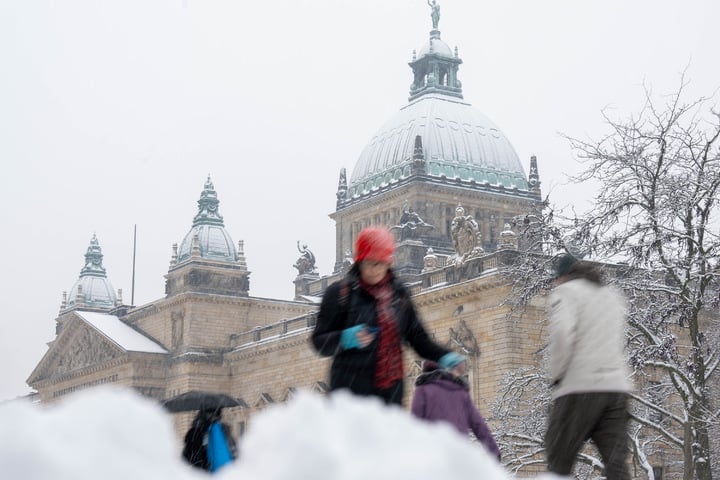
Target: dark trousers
{"x":576,"y":418}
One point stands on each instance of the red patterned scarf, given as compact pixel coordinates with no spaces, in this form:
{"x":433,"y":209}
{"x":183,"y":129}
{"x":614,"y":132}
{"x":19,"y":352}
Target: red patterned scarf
{"x":389,"y":364}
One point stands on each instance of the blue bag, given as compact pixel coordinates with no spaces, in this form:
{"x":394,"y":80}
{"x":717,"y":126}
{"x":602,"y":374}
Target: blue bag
{"x":218,"y":451}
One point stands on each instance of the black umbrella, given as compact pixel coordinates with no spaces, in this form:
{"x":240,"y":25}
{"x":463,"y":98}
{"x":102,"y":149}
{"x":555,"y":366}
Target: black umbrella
{"x":198,"y":400}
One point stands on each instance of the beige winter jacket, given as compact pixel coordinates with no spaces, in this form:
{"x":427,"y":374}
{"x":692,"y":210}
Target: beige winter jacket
{"x":587,"y":339}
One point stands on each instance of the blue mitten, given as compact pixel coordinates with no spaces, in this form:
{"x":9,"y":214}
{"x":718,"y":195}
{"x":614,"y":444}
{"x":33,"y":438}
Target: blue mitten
{"x":451,"y":360}
{"x":348,"y":337}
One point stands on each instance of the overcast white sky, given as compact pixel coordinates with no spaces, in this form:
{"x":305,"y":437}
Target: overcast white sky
{"x":113,"y":114}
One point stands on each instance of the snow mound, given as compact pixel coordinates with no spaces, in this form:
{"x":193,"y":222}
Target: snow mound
{"x":346,"y":437}
{"x":104,"y":433}
{"x":116,"y":434}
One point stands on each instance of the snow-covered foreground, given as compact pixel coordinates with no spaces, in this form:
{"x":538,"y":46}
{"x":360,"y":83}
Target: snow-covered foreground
{"x":113,"y":434}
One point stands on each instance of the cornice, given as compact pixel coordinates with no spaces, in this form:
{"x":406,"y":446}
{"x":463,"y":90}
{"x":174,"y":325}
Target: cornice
{"x":216,"y":357}
{"x":262,"y":348}
{"x":185,"y":298}
{"x":141,"y":312}
{"x":89,"y":370}
{"x":457,"y":290}
{"x":432,"y":183}
{"x":208,"y":264}
{"x":375,"y":200}
{"x":401,"y":192}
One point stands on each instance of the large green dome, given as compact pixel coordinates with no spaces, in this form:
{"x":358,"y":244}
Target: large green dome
{"x":458,"y":141}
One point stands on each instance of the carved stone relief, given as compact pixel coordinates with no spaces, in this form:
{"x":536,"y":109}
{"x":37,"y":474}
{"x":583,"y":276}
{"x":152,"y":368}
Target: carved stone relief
{"x":430,"y":261}
{"x":464,"y":340}
{"x":85,"y":350}
{"x":411,"y":226}
{"x":178,"y":320}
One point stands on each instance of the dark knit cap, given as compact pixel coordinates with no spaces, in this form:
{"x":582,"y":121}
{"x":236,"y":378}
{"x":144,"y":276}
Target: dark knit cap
{"x":562,"y":264}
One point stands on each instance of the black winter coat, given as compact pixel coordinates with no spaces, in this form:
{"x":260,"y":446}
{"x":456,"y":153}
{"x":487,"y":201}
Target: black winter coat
{"x":196,"y":439}
{"x":355,"y":368}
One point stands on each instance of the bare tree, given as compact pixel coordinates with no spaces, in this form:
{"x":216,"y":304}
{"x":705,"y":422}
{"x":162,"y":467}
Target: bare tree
{"x":657,"y":210}
{"x":655,"y":221}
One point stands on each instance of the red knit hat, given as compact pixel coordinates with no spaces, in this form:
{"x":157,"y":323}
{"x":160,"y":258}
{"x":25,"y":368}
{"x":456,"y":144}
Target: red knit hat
{"x":375,"y":243}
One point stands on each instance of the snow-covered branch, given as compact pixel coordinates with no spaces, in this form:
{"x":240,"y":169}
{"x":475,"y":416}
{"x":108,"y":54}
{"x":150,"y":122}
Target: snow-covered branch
{"x":656,"y":223}
{"x":658,"y":408}
{"x":668,"y":435}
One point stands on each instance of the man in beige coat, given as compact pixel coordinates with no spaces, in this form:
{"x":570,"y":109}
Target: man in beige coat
{"x":588,"y":370}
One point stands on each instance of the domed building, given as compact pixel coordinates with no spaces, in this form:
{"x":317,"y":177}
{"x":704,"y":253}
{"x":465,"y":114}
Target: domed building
{"x":439,"y":173}
{"x":438,"y":163}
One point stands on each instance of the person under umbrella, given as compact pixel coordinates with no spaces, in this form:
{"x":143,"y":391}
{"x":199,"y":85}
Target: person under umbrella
{"x":201,"y":400}
{"x":208,"y":443}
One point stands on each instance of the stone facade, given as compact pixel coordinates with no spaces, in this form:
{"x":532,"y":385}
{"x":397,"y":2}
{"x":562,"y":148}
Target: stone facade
{"x":258,"y":349}
{"x":435,"y":202}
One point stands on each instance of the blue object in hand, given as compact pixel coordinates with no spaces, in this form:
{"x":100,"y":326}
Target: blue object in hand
{"x":218,"y":451}
{"x":348,"y":337}
{"x":451,"y":360}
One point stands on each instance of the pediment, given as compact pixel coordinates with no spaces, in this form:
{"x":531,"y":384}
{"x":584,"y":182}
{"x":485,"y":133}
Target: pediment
{"x":320,"y":387}
{"x":78,"y":347}
{"x":289,"y":394}
{"x":263,"y":401}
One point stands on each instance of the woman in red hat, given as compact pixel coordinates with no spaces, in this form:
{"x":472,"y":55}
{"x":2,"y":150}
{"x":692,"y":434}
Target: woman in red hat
{"x":366,"y":317}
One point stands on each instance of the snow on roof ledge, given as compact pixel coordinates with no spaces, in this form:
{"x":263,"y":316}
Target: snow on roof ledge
{"x":311,"y":298}
{"x":123,"y":335}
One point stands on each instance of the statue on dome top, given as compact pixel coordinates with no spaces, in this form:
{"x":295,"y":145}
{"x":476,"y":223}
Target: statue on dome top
{"x":435,"y":13}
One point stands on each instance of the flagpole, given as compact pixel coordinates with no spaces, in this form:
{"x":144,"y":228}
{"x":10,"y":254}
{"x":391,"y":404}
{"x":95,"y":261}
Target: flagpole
{"x":132,"y":290}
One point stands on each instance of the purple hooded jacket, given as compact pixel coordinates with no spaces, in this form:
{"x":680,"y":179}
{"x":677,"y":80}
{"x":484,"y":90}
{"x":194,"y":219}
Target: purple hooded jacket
{"x":441,"y":396}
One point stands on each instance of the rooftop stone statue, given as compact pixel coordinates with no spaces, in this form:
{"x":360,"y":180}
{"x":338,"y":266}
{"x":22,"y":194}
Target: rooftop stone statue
{"x":435,"y":13}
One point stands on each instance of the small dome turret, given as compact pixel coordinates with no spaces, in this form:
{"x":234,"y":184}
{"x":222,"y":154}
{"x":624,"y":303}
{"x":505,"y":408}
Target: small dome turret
{"x":435,"y":46}
{"x":207,"y":260}
{"x":93,"y":289}
{"x":208,"y":234}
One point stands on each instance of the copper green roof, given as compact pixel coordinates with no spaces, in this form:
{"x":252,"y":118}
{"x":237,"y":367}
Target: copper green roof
{"x":457,"y":141}
{"x":213,"y":241}
{"x":92,"y":289}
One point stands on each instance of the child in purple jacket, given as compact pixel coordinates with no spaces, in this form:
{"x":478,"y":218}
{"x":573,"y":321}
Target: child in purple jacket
{"x":443,"y":395}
